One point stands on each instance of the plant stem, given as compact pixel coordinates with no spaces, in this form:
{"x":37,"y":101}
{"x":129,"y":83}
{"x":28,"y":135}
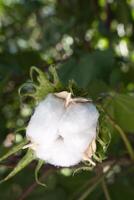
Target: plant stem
{"x":95,"y":184}
{"x":105,"y":190}
{"x":90,"y":189}
{"x":123,"y":136}
{"x":121,"y":132}
{"x":32,"y":187}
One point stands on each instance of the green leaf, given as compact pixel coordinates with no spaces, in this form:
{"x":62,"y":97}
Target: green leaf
{"x":27,"y":159}
{"x":14,"y":149}
{"x":122,"y":106}
{"x":87,"y":68}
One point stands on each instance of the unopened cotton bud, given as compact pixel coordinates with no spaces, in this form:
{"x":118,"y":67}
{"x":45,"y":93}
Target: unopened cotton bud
{"x":62,"y":129}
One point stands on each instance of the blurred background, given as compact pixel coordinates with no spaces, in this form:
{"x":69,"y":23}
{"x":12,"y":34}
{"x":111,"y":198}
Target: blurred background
{"x":90,"y":41}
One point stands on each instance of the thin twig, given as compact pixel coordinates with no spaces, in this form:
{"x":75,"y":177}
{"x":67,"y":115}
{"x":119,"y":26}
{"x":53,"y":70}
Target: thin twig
{"x":105,"y":190}
{"x":7,"y":166}
{"x":87,"y":184}
{"x":123,"y":161}
{"x":122,"y":134}
{"x":96,"y":183}
{"x":30,"y":189}
{"x":90,"y":189}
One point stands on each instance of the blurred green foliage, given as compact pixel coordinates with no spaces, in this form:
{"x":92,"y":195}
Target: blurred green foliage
{"x":90,"y":41}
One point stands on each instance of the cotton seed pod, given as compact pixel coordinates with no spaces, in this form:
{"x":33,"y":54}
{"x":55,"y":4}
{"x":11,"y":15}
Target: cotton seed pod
{"x":62,"y":129}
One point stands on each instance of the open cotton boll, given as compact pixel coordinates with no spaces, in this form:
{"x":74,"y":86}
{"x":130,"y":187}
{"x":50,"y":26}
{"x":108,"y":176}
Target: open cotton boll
{"x":43,"y":124}
{"x":61,"y":129}
{"x":78,"y":124}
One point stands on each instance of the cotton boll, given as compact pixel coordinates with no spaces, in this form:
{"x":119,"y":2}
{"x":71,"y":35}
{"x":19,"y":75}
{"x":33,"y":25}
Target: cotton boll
{"x":78,"y":122}
{"x":61,"y":134}
{"x":42,"y":127}
{"x":60,"y":155}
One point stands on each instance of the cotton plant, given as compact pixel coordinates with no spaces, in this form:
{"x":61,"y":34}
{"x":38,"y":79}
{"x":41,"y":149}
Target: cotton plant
{"x":64,"y":128}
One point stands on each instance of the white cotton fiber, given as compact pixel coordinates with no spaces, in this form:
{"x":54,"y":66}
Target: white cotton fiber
{"x":62,"y":134}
